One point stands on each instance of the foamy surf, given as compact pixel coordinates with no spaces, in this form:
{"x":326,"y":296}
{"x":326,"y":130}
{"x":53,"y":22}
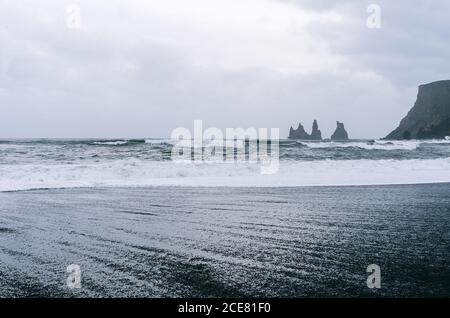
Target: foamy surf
{"x":376,"y":144}
{"x":137,"y":173}
{"x":111,"y":143}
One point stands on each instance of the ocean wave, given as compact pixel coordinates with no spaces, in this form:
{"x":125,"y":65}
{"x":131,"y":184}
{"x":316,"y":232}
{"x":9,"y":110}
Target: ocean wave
{"x":111,"y":143}
{"x":119,"y":142}
{"x":133,"y":172}
{"x":159,"y":141}
{"x":376,"y":144}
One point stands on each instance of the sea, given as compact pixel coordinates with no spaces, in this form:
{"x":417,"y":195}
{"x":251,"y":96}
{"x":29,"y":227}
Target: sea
{"x":138,"y":224}
{"x":53,"y":164}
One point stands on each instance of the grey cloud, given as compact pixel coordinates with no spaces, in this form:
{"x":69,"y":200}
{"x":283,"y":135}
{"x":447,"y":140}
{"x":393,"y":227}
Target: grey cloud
{"x":56,"y":82}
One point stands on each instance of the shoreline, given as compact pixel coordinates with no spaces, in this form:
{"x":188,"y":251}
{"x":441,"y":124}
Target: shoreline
{"x":227,"y":187}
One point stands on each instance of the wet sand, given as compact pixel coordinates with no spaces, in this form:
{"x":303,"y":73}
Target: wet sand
{"x":226,"y":242}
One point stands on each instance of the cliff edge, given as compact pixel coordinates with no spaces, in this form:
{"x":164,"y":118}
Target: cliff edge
{"x":430,"y":116}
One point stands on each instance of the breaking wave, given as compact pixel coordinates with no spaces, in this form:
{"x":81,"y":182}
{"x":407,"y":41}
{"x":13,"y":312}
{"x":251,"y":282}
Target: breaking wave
{"x":133,"y":172}
{"x":376,"y":144}
{"x":44,"y":163}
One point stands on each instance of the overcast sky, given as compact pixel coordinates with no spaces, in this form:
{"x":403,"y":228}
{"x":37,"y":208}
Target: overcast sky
{"x":143,"y":68}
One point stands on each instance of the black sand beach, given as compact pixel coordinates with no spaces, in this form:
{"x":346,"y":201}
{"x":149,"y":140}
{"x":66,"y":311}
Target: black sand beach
{"x":214,"y":242}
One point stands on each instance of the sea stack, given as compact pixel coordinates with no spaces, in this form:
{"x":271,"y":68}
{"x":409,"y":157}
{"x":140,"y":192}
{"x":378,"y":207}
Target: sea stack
{"x":298,"y":133}
{"x":430,"y":116}
{"x":340,"y":134}
{"x":316,"y":134}
{"x":301,"y":134}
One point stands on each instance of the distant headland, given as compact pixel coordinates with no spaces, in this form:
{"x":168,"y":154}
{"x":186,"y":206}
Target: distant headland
{"x":430,"y":116}
{"x":340,"y":134}
{"x":428,"y":119}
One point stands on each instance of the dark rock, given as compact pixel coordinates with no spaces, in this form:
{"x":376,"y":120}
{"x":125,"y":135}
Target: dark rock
{"x":430,"y":116}
{"x":301,"y":134}
{"x":298,"y":133}
{"x":316,"y":134}
{"x":340,"y":133}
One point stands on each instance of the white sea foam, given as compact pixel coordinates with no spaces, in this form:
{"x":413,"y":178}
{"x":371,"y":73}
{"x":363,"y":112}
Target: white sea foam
{"x":135,"y":172}
{"x":111,"y":143}
{"x":377,"y":144}
{"x":159,"y":141}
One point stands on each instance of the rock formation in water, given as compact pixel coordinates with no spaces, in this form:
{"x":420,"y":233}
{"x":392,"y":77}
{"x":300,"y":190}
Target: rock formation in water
{"x":298,"y":133}
{"x":340,"y":133}
{"x":301,"y":134}
{"x":430,"y":116}
{"x":316,"y":134}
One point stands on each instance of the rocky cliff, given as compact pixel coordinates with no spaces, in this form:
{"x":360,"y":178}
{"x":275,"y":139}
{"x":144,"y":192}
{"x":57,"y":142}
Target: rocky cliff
{"x":301,"y":134}
{"x":430,"y":116}
{"x":340,"y":133}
